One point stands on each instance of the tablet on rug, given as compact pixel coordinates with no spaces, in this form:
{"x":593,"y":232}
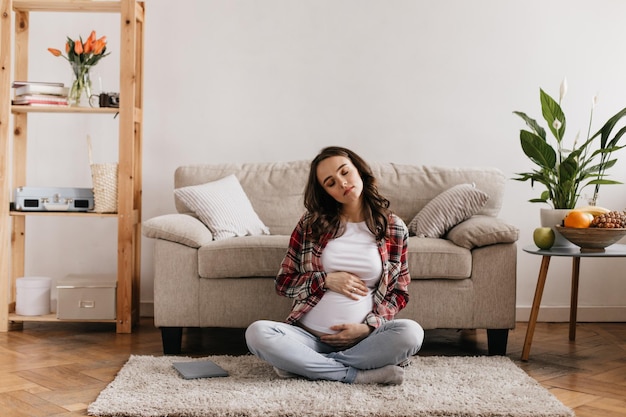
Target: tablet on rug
{"x":199,"y":369}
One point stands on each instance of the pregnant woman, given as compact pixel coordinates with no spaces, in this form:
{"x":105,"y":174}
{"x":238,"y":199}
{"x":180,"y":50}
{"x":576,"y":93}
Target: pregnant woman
{"x":346,"y":271}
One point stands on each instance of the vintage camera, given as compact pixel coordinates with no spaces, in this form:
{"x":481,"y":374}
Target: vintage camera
{"x":109,"y":100}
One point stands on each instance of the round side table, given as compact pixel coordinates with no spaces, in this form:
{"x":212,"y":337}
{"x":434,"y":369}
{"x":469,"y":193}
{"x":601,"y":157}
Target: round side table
{"x":613,"y":251}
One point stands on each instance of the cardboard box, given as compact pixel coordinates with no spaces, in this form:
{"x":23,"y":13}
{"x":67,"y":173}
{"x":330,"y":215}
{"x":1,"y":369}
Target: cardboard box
{"x":86,"y":297}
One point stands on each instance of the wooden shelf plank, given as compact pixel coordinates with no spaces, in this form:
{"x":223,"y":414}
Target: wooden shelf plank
{"x":63,"y":109}
{"x":89,"y":6}
{"x":61,"y":213}
{"x":53,"y":318}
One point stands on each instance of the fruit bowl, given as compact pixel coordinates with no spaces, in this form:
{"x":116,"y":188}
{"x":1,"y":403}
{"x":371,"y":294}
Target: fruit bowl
{"x":592,"y":239}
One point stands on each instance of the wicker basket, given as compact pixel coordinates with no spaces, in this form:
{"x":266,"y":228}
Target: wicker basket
{"x":104,"y":178}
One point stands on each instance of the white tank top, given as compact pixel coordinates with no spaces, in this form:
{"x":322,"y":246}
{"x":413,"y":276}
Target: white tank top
{"x":356,"y":252}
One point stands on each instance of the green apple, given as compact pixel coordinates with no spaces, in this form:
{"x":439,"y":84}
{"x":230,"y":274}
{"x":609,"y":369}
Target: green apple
{"x":544,"y":237}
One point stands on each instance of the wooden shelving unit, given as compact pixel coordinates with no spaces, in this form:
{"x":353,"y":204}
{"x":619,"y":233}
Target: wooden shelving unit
{"x":13,"y":150}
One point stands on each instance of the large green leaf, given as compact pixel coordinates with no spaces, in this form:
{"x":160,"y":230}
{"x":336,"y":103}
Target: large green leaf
{"x":604,"y":182}
{"x":613,"y":142}
{"x":552,"y":111}
{"x":605,"y":131}
{"x":606,"y":164}
{"x":568,"y":169}
{"x":532,"y":123}
{"x":537,"y":149}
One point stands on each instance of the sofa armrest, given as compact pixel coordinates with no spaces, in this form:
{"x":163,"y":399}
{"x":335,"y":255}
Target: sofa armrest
{"x":179,"y":228}
{"x":482,"y":230}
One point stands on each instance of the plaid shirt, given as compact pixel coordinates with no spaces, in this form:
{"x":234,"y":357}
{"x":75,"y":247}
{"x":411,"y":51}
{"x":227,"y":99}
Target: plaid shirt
{"x":301,"y":276}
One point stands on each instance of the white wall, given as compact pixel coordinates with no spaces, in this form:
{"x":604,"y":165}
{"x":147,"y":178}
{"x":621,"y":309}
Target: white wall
{"x":405,"y":81}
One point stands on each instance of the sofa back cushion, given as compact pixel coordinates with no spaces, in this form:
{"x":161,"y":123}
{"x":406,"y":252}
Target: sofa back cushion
{"x":410,"y":187}
{"x":275,"y":189}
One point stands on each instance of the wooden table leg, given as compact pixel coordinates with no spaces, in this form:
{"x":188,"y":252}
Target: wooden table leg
{"x":534,"y":312}
{"x":574,"y":298}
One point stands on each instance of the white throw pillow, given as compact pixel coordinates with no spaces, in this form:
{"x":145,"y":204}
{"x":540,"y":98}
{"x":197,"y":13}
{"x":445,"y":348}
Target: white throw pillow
{"x":448,"y":209}
{"x":223,"y":207}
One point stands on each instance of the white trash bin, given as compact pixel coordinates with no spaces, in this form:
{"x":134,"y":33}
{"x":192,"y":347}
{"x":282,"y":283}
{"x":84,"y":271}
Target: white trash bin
{"x":33,"y":296}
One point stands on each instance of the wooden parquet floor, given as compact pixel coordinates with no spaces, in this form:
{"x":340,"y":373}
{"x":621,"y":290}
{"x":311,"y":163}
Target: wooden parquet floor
{"x":58,"y":369}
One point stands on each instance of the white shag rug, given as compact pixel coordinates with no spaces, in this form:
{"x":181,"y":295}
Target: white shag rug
{"x":482,"y":386}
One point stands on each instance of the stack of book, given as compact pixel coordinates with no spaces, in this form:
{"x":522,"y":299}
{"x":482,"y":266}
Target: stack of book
{"x":33,"y":93}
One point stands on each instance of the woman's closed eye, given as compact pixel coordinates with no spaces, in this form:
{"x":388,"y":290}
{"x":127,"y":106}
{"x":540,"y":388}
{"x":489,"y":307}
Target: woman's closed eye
{"x":331,"y":183}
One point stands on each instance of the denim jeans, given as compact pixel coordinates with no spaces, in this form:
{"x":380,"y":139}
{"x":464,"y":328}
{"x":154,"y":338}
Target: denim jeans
{"x":295,"y":350}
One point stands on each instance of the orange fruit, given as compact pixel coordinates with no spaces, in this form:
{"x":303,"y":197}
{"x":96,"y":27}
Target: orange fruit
{"x":578,"y":219}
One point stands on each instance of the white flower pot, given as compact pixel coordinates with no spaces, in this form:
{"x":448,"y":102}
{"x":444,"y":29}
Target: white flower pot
{"x":550,"y":218}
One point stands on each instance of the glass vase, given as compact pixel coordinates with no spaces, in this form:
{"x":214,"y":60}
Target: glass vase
{"x":80,"y":91}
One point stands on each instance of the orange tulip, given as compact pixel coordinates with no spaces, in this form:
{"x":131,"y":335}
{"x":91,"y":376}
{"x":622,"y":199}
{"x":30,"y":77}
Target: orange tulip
{"x":78,"y":47}
{"x":90,"y":42}
{"x":80,"y":53}
{"x":88,"y":47}
{"x":100,"y":45}
{"x":92,"y":36}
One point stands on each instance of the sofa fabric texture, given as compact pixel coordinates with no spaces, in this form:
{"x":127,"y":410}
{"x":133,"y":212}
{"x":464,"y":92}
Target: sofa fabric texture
{"x":465,"y":279}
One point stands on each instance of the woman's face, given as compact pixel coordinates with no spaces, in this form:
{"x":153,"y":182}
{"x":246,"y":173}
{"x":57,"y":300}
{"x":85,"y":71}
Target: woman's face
{"x":340,"y":179}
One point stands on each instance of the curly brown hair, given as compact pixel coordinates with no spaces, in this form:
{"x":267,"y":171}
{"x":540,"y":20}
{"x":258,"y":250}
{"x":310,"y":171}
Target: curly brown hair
{"x":324,"y":210}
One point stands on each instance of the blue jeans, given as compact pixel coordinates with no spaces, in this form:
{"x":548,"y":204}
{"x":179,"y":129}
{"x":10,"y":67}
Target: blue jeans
{"x":295,"y":350}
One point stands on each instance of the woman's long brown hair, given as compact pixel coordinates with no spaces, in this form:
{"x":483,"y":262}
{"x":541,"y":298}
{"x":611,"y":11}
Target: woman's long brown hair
{"x":325,"y":210}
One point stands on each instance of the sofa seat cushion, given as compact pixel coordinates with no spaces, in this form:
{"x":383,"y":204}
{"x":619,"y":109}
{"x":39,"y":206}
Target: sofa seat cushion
{"x":261,"y":256}
{"x":244,"y":256}
{"x":431,"y":258}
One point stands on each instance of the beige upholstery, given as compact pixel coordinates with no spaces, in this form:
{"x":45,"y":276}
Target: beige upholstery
{"x":466,"y":280}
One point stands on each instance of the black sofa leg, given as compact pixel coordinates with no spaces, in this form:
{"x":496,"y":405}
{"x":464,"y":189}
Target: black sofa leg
{"x":497,"y":340}
{"x":172,"y":338}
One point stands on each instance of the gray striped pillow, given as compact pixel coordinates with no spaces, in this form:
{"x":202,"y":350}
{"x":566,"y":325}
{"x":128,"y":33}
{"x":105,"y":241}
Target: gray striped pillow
{"x":448,"y":209}
{"x":223,"y":207}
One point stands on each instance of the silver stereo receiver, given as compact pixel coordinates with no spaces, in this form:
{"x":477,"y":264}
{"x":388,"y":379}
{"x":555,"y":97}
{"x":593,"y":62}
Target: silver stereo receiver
{"x":53,"y":199}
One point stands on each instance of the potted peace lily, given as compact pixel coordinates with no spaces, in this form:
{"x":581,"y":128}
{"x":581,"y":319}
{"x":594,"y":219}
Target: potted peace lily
{"x":565,"y":172}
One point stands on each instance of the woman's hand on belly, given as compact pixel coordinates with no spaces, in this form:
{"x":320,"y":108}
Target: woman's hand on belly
{"x":347,"y":284}
{"x":347,"y":334}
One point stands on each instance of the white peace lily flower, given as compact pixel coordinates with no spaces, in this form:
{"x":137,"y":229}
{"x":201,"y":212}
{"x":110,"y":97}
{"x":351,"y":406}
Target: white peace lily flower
{"x":557,"y":124}
{"x":563,"y":89}
{"x":594,"y":101}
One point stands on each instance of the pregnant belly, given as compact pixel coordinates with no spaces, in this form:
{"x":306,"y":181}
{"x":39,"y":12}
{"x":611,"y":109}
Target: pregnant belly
{"x":335,"y":308}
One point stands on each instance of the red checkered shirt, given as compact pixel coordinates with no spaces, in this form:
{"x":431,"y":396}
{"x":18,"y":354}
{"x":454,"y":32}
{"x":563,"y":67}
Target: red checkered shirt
{"x":301,"y":276}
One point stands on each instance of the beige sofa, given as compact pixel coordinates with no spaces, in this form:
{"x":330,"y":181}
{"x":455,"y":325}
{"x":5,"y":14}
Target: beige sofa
{"x":464,"y":280}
